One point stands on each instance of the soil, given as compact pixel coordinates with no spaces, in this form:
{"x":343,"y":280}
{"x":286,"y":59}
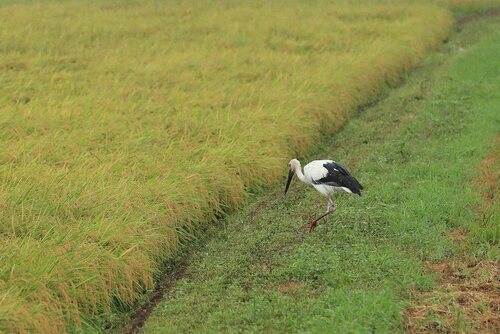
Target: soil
{"x":467,"y":300}
{"x":475,"y":16}
{"x":488,"y":180}
{"x":140,"y":316}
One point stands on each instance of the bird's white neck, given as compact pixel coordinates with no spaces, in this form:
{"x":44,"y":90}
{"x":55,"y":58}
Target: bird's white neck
{"x":298,"y":171}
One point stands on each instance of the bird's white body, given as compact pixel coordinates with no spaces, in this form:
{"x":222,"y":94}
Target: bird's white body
{"x":315,"y":170}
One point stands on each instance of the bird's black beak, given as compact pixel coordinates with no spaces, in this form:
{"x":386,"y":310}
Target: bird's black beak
{"x":289,"y":180}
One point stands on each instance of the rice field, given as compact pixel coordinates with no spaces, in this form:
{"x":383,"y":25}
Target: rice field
{"x":126,"y":125}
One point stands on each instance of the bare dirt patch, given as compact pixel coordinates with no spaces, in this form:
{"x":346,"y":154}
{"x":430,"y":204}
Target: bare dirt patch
{"x":290,"y":287}
{"x":459,"y":235}
{"x":475,"y":16}
{"x":466,"y":301}
{"x":487,"y":181}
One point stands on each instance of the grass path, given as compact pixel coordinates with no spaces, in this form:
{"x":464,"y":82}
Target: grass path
{"x":416,"y":152}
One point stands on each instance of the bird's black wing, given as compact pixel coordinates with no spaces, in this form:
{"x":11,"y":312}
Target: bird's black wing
{"x":339,"y":176}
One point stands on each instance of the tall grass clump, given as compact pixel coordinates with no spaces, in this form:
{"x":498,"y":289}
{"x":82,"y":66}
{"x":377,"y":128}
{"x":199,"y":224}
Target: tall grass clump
{"x":124,"y":125}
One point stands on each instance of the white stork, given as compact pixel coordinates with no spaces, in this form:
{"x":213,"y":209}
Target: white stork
{"x":327,"y":176}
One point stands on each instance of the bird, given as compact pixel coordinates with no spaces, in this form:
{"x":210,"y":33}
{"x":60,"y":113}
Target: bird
{"x":327,"y":177}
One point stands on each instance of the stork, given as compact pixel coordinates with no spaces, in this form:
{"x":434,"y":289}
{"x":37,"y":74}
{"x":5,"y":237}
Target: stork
{"x":327,"y":177}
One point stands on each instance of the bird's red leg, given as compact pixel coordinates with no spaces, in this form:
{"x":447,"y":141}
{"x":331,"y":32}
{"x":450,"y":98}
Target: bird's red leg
{"x":313,"y":223}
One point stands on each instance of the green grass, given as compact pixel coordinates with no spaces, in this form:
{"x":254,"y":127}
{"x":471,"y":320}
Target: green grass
{"x":416,"y":152}
{"x":125,"y":125}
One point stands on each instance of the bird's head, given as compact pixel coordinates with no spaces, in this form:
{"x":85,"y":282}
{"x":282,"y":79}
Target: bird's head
{"x":292,"y":167}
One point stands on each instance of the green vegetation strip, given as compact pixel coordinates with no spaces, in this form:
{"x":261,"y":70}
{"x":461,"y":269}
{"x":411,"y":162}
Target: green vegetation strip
{"x":416,"y":152}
